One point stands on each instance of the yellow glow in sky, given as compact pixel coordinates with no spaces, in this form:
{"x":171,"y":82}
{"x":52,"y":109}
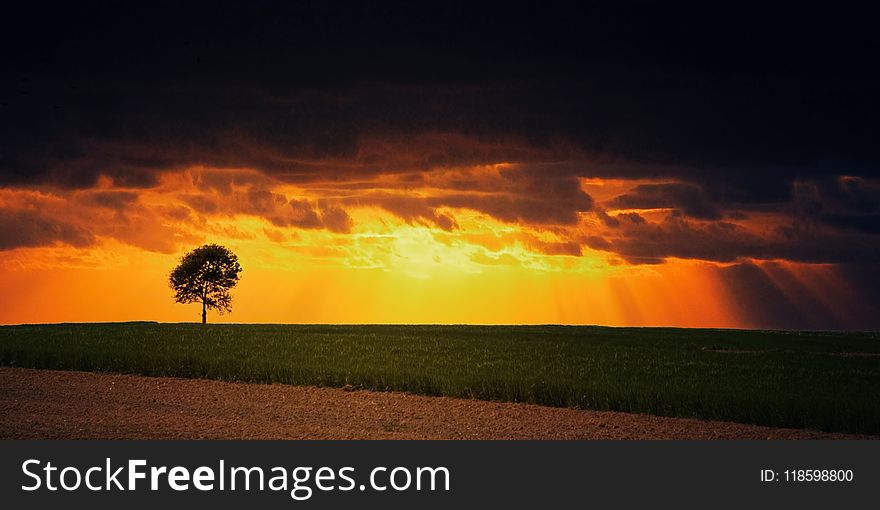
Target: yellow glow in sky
{"x":383,"y":258}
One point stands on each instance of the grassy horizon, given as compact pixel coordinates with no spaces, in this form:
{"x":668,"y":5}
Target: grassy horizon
{"x":820,"y":380}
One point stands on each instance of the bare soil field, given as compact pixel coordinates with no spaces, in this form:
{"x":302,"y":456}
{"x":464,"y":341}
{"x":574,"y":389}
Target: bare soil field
{"x":49,"y":404}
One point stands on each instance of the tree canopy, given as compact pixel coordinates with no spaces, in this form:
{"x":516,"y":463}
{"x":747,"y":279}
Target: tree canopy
{"x":206,"y":275}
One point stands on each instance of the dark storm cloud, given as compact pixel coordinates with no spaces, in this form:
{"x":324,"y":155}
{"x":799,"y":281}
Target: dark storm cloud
{"x":688,"y":198}
{"x":28,"y":229}
{"x":524,"y":194}
{"x":713,"y":92}
{"x":746,"y":108}
{"x":116,"y":200}
{"x":256,"y":199}
{"x":847,"y":203}
{"x":200,"y":203}
{"x":335,"y":219}
{"x":641,"y":242}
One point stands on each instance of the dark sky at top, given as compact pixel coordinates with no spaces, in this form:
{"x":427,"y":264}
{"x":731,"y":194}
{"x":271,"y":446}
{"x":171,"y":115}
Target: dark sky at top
{"x":723,"y":94}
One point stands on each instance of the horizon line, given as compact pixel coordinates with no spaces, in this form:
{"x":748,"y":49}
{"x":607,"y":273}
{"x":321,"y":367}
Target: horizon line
{"x":435,"y":324}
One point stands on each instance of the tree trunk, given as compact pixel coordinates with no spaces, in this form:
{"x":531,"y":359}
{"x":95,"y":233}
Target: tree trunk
{"x":204,"y":313}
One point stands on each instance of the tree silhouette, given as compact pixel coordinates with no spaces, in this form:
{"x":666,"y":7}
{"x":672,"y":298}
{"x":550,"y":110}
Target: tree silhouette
{"x":206,"y":275}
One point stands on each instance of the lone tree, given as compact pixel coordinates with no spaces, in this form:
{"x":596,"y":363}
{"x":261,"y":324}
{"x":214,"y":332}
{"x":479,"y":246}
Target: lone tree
{"x":205,"y":275}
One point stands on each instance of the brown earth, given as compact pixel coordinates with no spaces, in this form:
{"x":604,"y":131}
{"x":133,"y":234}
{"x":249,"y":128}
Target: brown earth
{"x":48,"y":404}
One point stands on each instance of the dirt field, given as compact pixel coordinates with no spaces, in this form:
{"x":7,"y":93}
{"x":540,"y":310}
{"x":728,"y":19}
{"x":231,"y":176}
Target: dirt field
{"x":46,"y":404}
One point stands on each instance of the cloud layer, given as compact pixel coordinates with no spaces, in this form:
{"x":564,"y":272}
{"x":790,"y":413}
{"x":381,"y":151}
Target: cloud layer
{"x":725,"y":143}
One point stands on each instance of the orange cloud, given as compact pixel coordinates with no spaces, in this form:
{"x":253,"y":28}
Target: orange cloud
{"x":626,"y":241}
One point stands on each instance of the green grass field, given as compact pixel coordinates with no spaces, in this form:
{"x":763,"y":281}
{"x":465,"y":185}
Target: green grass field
{"x":826,"y":381}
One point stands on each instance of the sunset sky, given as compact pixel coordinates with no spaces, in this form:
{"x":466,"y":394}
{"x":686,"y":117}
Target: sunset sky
{"x":445,"y":163}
